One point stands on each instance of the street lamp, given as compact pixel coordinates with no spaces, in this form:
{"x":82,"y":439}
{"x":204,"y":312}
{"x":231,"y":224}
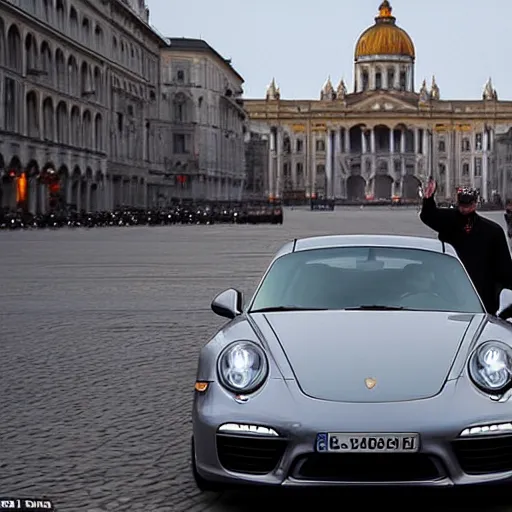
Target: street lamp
{"x":431,"y":134}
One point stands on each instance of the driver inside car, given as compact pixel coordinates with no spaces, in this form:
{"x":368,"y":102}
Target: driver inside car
{"x":418,"y":280}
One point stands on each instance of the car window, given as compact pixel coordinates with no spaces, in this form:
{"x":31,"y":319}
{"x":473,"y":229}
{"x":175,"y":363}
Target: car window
{"x":349,"y":277}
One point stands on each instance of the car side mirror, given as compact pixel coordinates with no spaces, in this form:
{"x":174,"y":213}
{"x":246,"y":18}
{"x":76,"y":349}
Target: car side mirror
{"x":505,"y":310}
{"x":228,"y":304}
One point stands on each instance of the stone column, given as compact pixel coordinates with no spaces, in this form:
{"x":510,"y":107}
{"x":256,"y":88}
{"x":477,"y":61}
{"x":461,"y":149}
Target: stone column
{"x":416,"y":149}
{"x":363,"y":142}
{"x":328,"y":163}
{"x":347,"y":141}
{"x":409,"y":79}
{"x":271,"y":162}
{"x":448,"y":191}
{"x":336,"y":188}
{"x":472,"y":168}
{"x":371,"y":78}
{"x":391,"y":162}
{"x":279,"y":173}
{"x":2,"y":95}
{"x":104,"y":193}
{"x":40,"y":122}
{"x":145,"y":194}
{"x":359,"y":73}
{"x":88,"y":205}
{"x":69,"y":189}
{"x":310,"y":177}
{"x":402,"y":161}
{"x":426,"y":153}
{"x":485,"y":168}
{"x":373,"y":149}
{"x":108,"y":194}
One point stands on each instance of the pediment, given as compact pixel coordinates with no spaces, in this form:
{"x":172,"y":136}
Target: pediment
{"x":383,"y":103}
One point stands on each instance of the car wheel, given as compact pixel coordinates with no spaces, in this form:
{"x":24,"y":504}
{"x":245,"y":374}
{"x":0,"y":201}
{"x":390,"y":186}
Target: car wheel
{"x":201,"y":483}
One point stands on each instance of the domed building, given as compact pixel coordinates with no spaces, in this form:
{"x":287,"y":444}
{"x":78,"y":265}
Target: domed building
{"x":383,"y":138}
{"x":384,"y":56}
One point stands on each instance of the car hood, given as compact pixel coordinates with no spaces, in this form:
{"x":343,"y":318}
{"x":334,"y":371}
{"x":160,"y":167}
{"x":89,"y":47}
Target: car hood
{"x":408,"y":354}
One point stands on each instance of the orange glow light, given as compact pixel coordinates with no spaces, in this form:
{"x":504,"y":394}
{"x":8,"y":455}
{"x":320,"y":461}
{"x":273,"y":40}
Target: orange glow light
{"x":54,"y":187}
{"x":21,"y":188}
{"x":201,"y":387}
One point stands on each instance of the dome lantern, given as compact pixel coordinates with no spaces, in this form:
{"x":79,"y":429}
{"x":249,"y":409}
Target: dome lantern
{"x":385,"y":13}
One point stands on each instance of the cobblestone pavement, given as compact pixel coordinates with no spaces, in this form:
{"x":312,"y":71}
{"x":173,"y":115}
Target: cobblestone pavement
{"x":99,"y":333}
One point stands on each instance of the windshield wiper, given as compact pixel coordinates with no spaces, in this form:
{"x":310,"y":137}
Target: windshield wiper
{"x":276,"y":309}
{"x":376,"y":307}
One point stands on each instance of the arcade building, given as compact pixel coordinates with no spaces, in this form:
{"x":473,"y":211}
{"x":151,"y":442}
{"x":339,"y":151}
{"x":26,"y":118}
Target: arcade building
{"x":383,"y":138}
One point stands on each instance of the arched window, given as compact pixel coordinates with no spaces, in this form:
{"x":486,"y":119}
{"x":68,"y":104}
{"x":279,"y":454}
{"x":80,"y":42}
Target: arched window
{"x":391,"y":78}
{"x":180,"y":108}
{"x":48,"y":119}
{"x":32,"y":115}
{"x":13,"y":50}
{"x":365,"y":80}
{"x":378,"y":79}
{"x":73,"y":22}
{"x":403,"y":81}
{"x":98,"y":132}
{"x":62,"y":123}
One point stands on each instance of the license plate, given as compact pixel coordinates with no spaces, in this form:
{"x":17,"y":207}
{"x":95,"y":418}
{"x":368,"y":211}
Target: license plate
{"x":367,"y":443}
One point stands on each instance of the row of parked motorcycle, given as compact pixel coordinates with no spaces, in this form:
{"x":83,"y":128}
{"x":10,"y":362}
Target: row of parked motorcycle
{"x":188,"y":214}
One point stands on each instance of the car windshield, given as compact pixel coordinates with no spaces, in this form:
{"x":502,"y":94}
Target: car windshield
{"x":367,"y":278}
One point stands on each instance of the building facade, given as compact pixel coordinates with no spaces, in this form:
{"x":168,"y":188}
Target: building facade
{"x":204,"y":118}
{"x":79,"y":92}
{"x":383,"y":138}
{"x":256,"y":165}
{"x":504,"y":163}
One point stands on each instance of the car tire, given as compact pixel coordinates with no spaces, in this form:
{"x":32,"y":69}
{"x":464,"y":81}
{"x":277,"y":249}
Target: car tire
{"x":201,"y":483}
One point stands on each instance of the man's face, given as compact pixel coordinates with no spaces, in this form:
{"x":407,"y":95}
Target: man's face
{"x":466,"y":209}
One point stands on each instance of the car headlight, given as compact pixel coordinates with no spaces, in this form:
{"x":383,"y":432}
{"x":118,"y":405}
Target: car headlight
{"x":490,"y":366}
{"x":242,"y":367}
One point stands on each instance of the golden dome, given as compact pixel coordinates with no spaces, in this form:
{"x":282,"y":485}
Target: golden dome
{"x":384,"y":38}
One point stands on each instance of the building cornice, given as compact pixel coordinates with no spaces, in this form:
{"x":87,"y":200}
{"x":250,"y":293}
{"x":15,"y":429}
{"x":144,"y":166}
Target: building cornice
{"x":135,"y":17}
{"x":198,"y":47}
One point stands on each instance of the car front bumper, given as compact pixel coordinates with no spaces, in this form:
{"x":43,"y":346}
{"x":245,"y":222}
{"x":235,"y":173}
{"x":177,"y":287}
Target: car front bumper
{"x":243,"y":456}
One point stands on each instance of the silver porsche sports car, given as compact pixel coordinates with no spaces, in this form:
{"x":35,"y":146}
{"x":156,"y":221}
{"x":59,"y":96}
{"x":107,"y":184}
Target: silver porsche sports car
{"x":360,"y":360}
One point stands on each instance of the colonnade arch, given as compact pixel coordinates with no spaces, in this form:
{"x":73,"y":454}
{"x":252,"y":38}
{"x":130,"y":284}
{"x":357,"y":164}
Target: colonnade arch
{"x":410,"y":186}
{"x":55,"y":65}
{"x":36,"y":188}
{"x":80,"y":128}
{"x":355,"y":138}
{"x":13,"y":49}
{"x":2,"y":42}
{"x":356,"y":188}
{"x":82,"y":27}
{"x":383,"y":186}
{"x":76,"y":179}
{"x":354,"y":150}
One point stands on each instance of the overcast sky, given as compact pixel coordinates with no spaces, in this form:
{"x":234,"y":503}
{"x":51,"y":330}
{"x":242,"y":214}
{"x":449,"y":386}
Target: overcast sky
{"x":302,"y":42}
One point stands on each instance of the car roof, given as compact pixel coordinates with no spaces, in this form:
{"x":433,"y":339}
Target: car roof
{"x":397,"y":241}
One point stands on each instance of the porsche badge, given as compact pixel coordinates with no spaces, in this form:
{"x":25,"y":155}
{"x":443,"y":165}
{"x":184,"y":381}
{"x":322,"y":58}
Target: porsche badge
{"x":370,"y":383}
